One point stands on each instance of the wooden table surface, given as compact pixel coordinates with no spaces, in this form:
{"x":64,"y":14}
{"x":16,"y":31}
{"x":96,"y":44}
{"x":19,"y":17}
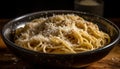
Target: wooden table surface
{"x":10,"y":61}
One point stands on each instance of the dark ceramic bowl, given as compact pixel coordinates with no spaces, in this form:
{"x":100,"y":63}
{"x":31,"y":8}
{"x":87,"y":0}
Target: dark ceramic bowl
{"x":60,"y":60}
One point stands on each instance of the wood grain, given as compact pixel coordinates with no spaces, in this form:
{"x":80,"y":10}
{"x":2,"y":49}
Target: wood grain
{"x":111,"y":61}
{"x":2,"y":44}
{"x":2,"y":23}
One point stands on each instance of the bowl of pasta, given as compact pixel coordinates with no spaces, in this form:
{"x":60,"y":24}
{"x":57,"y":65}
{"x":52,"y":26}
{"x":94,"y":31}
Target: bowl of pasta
{"x":61,"y":38}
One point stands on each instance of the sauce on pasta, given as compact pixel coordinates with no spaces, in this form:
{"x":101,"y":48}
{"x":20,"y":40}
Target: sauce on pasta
{"x":61,"y":34}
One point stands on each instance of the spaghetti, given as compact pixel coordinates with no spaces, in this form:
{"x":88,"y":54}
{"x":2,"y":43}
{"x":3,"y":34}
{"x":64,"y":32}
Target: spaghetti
{"x":61,"y":34}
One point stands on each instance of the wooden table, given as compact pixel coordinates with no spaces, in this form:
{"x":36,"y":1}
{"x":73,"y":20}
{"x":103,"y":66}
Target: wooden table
{"x":10,"y":61}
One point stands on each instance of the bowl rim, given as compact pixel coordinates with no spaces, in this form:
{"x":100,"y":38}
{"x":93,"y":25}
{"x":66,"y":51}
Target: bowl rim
{"x":67,"y":11}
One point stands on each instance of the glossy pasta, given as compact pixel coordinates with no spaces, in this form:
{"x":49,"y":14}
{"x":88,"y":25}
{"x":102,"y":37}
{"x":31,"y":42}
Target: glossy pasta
{"x":61,"y":34}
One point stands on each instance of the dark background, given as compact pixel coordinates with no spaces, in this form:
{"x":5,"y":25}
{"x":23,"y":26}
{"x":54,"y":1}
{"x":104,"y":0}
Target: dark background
{"x":12,"y":9}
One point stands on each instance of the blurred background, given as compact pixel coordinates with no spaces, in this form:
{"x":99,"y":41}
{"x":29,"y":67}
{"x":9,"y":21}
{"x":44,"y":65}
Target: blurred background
{"x":12,"y":9}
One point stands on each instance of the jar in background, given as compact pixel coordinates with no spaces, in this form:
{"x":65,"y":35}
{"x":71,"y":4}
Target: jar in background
{"x":91,"y":6}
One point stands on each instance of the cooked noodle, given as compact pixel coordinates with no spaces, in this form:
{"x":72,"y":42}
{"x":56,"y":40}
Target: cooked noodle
{"x":61,"y":34}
